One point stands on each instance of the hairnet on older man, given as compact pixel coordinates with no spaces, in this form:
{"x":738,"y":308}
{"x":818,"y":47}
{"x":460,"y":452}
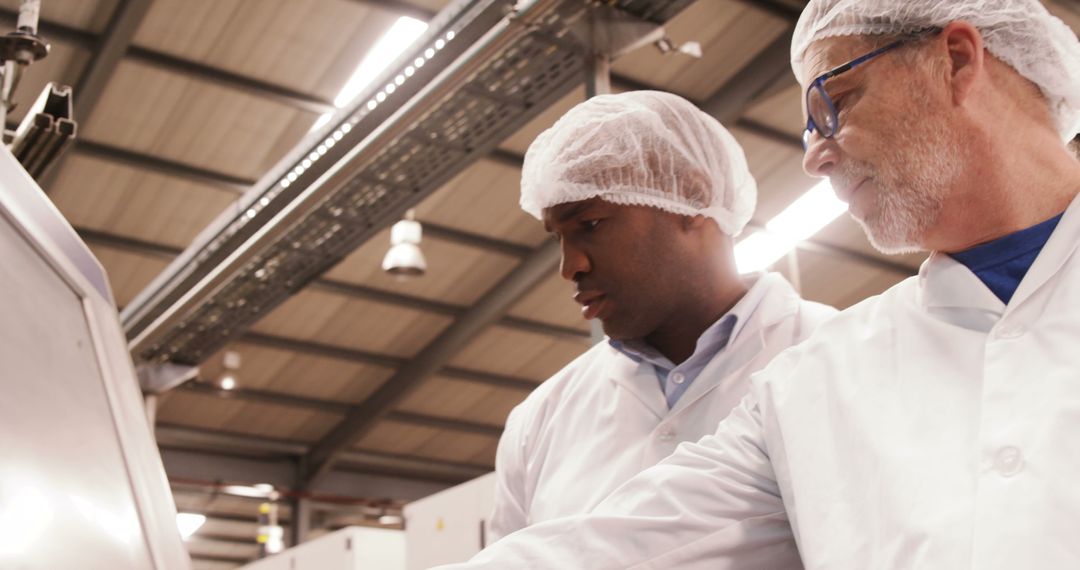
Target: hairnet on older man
{"x":1021,"y":33}
{"x":645,"y":148}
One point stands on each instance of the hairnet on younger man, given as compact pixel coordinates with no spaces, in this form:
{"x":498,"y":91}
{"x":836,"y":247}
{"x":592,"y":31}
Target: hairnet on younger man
{"x":645,"y":148}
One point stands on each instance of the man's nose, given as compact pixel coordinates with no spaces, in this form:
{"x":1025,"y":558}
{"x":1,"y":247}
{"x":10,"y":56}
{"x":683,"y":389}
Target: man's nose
{"x":821,"y":155}
{"x":574,"y":262}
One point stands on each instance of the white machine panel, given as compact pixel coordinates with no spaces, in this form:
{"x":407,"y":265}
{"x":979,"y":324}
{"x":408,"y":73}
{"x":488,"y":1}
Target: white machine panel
{"x":351,"y":548}
{"x":449,"y":526}
{"x":81,"y":481}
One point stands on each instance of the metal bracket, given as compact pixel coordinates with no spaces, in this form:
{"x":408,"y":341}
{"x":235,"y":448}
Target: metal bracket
{"x":160,"y":378}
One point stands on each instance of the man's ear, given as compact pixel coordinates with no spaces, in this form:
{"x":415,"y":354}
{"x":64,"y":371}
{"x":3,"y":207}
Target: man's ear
{"x":966,"y":58}
{"x":693,"y":222}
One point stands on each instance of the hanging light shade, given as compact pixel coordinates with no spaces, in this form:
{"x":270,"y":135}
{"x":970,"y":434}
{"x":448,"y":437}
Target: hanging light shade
{"x":405,"y":260}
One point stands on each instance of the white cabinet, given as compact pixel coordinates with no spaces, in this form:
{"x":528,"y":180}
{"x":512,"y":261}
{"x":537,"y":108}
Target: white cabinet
{"x":449,"y":526}
{"x":351,"y":548}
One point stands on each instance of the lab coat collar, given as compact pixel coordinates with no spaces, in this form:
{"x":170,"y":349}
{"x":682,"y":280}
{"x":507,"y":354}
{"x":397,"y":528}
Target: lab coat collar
{"x":638,"y":378}
{"x":946,"y":284}
{"x":769,"y":300}
{"x":1058,"y":249}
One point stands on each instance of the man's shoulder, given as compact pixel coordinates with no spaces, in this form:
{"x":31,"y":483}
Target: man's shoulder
{"x":589,"y":363}
{"x":783,"y":304}
{"x":580,"y":374}
{"x":829,"y":326}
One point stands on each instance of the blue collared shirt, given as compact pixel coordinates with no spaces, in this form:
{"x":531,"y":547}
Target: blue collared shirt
{"x":1003,"y":263}
{"x":675,"y":379}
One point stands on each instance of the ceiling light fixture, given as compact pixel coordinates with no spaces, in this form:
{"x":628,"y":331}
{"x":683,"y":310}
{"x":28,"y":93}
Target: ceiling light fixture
{"x":231,"y":363}
{"x":256,"y":491}
{"x":806,"y":216}
{"x":188,"y":523}
{"x":405,"y":260}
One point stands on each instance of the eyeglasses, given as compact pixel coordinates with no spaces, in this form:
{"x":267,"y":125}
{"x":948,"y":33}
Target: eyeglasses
{"x":820,"y":110}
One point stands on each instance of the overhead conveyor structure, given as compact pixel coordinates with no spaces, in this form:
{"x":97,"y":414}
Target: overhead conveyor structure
{"x":483,"y":69}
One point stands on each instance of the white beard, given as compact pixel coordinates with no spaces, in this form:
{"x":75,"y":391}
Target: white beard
{"x":910,"y":189}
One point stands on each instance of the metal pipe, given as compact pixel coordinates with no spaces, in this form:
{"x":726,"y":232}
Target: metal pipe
{"x":29,"y":14}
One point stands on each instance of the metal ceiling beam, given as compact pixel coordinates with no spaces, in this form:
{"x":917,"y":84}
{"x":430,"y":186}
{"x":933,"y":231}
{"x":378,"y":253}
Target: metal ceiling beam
{"x":353,"y":355}
{"x":172,"y":436}
{"x":745,"y":87}
{"x":446,"y":424}
{"x":265,"y":397}
{"x":623,"y":83}
{"x":385,"y":297}
{"x":133,"y":245}
{"x":110,"y":48}
{"x":229,"y":517}
{"x":490,"y":379}
{"x":227,"y":182}
{"x":448,"y":309}
{"x":778,"y":8}
{"x":186,"y":437}
{"x":505,"y":158}
{"x":319,"y":349}
{"x":370,"y":458}
{"x":360,"y":291}
{"x":226,"y":539}
{"x":770,"y":133}
{"x":1070,"y":6}
{"x":320,"y":459}
{"x":230,"y":80}
{"x":337,"y":408}
{"x":167,"y":62}
{"x":446,"y":233}
{"x":220,"y":558}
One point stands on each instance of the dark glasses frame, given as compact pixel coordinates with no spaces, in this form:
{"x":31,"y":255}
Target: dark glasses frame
{"x":829,"y":124}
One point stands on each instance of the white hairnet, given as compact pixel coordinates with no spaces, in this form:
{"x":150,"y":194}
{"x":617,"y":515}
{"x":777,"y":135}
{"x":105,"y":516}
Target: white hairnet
{"x":645,"y":148}
{"x":1020,"y":33}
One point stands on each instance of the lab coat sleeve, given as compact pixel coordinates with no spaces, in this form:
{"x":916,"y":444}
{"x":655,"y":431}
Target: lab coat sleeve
{"x":713,"y":504}
{"x":509,"y":513}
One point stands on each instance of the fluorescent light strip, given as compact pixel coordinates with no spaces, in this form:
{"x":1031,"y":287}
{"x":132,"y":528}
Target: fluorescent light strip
{"x":803,"y":218}
{"x":397,"y":39}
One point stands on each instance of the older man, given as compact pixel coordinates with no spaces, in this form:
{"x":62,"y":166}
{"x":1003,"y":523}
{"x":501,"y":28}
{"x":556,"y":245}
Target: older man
{"x":644,"y":192}
{"x":934,"y":426}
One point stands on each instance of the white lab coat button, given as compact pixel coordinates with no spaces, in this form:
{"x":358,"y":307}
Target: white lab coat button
{"x":1009,"y":461}
{"x":678,"y":378}
{"x":1010,"y":331}
{"x":665,"y":433}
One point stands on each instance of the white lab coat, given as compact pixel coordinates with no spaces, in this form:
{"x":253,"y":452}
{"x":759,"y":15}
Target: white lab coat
{"x":603,"y":418}
{"x":931,"y":427}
